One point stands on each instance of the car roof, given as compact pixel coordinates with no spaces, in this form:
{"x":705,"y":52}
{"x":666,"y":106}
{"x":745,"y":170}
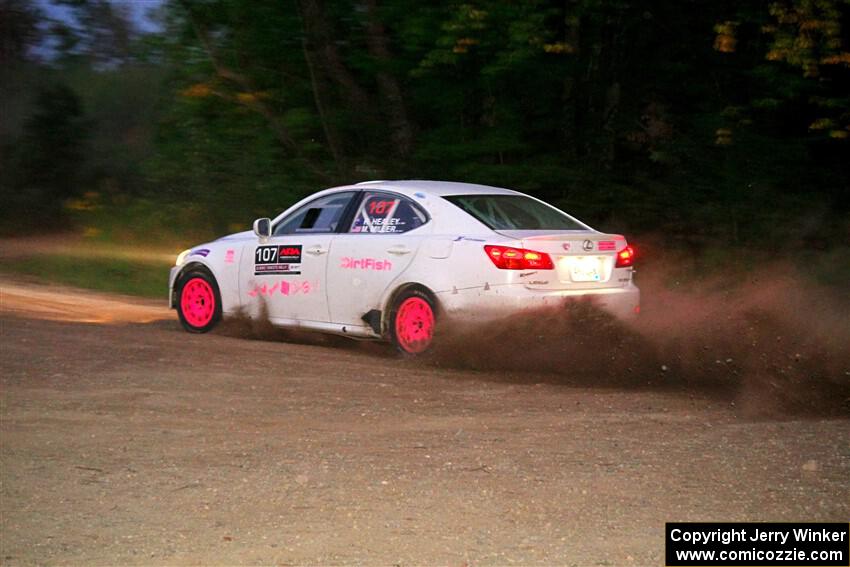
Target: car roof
{"x":436,"y":188}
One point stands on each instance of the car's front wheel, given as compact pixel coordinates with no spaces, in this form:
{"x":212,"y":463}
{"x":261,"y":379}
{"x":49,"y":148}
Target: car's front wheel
{"x":412,"y":322}
{"x":198,"y":301}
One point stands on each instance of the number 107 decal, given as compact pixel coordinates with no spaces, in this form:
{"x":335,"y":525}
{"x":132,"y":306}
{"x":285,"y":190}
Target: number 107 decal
{"x":277,"y":259}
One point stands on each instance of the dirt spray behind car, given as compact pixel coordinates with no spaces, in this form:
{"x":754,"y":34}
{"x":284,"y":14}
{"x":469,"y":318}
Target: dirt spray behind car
{"x":770,"y":346}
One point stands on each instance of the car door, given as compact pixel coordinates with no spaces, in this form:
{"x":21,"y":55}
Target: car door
{"x":382,"y":240}
{"x":287,"y":273}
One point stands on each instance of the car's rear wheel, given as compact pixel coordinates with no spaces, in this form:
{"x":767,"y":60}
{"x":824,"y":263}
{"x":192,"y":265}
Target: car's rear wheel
{"x":198,"y":301}
{"x":412,"y":322}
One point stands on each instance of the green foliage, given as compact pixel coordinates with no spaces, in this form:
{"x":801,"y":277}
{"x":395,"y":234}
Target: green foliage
{"x":717,"y":123}
{"x":19,"y":30}
{"x":137,"y":220}
{"x":47,"y":158}
{"x":148,"y":279}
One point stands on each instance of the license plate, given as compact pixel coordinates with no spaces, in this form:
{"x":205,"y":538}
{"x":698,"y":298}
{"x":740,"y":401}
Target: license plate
{"x":585,"y":268}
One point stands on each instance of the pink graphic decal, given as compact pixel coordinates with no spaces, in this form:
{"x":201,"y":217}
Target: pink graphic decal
{"x":228,"y":256}
{"x":365,"y":264}
{"x":606,"y":245}
{"x":258,"y":290}
{"x":304,"y":287}
{"x":287,"y":288}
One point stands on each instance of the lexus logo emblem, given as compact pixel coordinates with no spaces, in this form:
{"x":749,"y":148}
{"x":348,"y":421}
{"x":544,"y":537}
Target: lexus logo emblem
{"x":587,"y":245}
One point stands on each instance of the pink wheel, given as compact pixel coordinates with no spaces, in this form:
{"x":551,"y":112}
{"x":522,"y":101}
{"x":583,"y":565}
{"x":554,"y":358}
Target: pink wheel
{"x":413,"y":324}
{"x":199,"y":304}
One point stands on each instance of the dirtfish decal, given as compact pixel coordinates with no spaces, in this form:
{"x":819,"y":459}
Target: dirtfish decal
{"x":365,"y":264}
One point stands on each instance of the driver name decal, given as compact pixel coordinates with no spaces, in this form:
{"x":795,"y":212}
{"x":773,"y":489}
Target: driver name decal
{"x":280,"y":259}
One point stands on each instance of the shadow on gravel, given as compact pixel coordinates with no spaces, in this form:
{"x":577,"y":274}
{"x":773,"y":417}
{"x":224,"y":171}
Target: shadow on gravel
{"x":771,"y":346}
{"x":243,"y":326}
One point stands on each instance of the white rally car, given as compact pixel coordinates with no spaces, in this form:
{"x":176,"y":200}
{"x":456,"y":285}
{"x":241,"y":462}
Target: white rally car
{"x":393,"y":259}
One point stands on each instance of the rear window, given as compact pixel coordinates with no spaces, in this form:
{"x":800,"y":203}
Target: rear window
{"x":514,"y":212}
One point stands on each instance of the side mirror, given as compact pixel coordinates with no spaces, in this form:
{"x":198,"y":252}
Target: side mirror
{"x":263,"y":228}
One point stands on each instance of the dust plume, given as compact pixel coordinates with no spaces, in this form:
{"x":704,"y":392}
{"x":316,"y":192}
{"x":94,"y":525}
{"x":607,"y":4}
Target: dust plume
{"x":770,"y":344}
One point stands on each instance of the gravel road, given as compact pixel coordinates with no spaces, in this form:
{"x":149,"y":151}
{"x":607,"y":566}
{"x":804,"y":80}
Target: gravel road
{"x":128,"y":441}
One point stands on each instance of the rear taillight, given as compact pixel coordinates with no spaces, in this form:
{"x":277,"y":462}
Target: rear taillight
{"x":507,"y":258}
{"x":625,"y":257}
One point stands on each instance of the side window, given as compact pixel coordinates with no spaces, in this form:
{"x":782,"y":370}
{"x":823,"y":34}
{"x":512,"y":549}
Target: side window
{"x":382,"y":212}
{"x":319,"y":216}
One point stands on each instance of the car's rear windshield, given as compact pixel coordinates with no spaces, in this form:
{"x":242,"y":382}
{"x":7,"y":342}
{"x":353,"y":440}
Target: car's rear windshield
{"x":514,"y":212}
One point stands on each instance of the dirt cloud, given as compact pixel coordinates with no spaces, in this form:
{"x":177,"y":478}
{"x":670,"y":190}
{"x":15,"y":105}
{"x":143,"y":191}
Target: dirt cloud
{"x":770,"y":343}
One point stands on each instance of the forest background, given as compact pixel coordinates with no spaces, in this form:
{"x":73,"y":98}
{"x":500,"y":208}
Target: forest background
{"x":715,"y":128}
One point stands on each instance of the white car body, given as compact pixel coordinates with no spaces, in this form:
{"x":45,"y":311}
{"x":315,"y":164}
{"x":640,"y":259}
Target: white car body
{"x":345,"y":282}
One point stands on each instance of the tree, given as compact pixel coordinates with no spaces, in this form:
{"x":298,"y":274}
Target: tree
{"x":49,"y":156}
{"x":683,"y":117}
{"x":18,"y":30}
{"x":100,"y":31}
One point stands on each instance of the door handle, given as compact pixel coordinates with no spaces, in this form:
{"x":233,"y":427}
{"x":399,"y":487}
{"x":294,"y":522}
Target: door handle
{"x":399,"y":250}
{"x":316,"y":250}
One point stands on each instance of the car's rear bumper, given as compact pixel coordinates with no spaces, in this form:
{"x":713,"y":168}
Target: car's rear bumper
{"x":481,"y":303}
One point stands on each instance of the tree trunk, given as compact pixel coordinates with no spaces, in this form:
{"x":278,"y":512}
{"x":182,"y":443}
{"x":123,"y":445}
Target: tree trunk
{"x":320,"y":96}
{"x":612,"y":105}
{"x":245,"y":83}
{"x":581,"y":88}
{"x":401,"y":129}
{"x":320,"y":40}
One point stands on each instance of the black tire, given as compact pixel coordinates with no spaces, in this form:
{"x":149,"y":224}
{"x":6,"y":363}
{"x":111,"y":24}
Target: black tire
{"x":412,"y":341}
{"x":200,"y":318}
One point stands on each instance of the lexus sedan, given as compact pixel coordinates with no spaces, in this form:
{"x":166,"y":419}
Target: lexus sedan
{"x":393,"y":260}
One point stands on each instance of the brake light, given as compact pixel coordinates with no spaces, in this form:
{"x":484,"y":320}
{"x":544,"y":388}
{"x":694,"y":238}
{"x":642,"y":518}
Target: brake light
{"x":507,"y":258}
{"x":625,"y":257}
